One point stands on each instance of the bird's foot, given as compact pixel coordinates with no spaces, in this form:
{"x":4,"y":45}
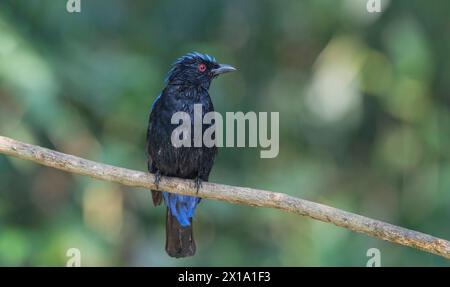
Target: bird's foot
{"x":198,"y":183}
{"x":157,"y":178}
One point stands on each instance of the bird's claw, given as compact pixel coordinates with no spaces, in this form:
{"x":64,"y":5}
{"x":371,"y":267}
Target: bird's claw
{"x":157,"y":178}
{"x":198,"y":183}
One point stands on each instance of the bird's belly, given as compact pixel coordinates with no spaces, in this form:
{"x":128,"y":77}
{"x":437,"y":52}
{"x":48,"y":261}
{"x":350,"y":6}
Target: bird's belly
{"x":185,"y":162}
{"x":182,"y":162}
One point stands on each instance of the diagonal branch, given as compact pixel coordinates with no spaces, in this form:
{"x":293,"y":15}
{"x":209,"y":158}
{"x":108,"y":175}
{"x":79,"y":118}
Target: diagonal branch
{"x":232,"y":194}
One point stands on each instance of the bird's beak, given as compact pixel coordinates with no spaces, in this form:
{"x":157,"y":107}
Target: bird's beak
{"x":223,"y":69}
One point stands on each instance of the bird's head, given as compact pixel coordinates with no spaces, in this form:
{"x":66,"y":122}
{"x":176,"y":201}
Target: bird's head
{"x":196,"y":69}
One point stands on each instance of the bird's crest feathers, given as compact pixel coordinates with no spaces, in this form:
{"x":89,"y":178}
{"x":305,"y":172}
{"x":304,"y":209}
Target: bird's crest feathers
{"x":187,"y":59}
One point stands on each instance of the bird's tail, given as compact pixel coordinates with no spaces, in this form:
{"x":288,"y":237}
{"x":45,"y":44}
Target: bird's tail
{"x":179,"y":239}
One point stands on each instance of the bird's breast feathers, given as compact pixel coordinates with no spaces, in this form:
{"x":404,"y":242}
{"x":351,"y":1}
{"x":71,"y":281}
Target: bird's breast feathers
{"x":182,"y":161}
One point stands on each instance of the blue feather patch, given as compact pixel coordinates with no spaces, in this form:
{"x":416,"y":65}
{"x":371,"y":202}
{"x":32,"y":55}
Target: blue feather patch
{"x":181,"y":206}
{"x":154,"y":102}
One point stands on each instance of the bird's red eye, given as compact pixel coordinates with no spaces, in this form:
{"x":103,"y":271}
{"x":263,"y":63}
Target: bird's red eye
{"x":202,"y":67}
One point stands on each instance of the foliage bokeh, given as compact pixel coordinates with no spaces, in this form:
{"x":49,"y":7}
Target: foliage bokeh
{"x":364,"y":126}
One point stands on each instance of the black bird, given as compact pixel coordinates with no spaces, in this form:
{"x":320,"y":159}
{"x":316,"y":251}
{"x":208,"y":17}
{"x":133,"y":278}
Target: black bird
{"x":187,"y":83}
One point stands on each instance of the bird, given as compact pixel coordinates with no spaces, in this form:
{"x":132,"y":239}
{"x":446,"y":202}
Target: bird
{"x":187,"y":84}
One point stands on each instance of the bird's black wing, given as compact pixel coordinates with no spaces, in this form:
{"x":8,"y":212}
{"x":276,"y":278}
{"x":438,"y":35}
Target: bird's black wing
{"x":156,"y":195}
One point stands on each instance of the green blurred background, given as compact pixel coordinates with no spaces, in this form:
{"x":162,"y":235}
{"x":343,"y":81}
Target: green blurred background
{"x":364,"y":126}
